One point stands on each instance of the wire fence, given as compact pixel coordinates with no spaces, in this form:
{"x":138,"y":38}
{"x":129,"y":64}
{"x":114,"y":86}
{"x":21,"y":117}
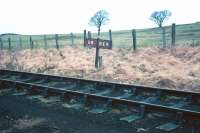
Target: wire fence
{"x":38,"y":41}
{"x":185,"y":35}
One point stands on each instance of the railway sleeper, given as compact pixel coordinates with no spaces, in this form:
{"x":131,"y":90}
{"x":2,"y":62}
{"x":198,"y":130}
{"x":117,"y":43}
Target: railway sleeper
{"x":175,"y":104}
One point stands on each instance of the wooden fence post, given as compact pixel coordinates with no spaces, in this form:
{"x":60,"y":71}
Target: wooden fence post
{"x":20,"y":42}
{"x":84,"y":34}
{"x":97,"y":55}
{"x":72,"y":38}
{"x":1,"y":44}
{"x":56,"y":38}
{"x":193,"y":43}
{"x":163,"y":37}
{"x":110,"y":38}
{"x":45,"y":41}
{"x":134,"y":39}
{"x":173,"y":34}
{"x":31,"y":43}
{"x":89,"y":35}
{"x":9,"y":43}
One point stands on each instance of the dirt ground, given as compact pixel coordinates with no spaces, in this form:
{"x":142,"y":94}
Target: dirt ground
{"x":23,"y":114}
{"x":177,"y":68}
{"x":18,"y":114}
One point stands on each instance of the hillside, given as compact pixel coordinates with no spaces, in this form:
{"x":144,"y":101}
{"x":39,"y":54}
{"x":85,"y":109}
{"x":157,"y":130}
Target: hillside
{"x":176,"y":69}
{"x":186,"y":34}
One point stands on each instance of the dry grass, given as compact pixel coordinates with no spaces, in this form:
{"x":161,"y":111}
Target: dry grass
{"x":175,"y":69}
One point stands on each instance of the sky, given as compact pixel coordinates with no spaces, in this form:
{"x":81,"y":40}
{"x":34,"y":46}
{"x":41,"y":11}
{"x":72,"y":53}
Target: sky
{"x":65,"y":16}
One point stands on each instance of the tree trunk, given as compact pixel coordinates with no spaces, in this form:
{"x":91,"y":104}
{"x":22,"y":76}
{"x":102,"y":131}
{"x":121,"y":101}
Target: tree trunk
{"x":160,"y":25}
{"x":99,"y":29}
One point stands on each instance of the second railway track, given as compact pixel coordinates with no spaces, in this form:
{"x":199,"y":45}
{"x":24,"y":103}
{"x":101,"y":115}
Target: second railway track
{"x":102,"y":96}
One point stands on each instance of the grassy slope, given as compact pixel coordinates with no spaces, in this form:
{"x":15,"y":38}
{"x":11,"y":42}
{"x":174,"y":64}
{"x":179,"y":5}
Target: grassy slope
{"x":186,"y":34}
{"x":177,"y":68}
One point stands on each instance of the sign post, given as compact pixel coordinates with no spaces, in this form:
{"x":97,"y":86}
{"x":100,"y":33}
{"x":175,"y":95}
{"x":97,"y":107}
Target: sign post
{"x":97,"y":54}
{"x":97,"y":43}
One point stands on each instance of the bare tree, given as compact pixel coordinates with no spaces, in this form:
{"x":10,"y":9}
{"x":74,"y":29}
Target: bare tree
{"x":99,"y":19}
{"x":160,"y":16}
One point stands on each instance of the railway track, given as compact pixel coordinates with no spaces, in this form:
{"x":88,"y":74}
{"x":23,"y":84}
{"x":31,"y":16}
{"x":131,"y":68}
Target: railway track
{"x":99,"y":96}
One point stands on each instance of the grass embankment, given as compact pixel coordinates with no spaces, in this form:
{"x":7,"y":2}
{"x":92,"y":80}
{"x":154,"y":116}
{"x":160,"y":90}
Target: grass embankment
{"x":174,"y":69}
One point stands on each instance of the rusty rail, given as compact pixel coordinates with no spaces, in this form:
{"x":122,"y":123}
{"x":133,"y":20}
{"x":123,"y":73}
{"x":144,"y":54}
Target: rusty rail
{"x":148,"y":99}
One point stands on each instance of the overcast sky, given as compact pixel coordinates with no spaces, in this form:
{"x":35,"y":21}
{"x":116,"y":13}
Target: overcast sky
{"x":64,"y":16}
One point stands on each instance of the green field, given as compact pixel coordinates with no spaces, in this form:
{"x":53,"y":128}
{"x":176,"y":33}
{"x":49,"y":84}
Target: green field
{"x":186,"y":34}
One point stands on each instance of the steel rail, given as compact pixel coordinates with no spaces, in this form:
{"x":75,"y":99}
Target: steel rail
{"x":193,"y":97}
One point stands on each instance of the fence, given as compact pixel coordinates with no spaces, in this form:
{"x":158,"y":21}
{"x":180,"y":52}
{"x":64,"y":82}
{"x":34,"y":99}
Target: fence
{"x":168,"y":36}
{"x":39,"y":41}
{"x":188,"y":35}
